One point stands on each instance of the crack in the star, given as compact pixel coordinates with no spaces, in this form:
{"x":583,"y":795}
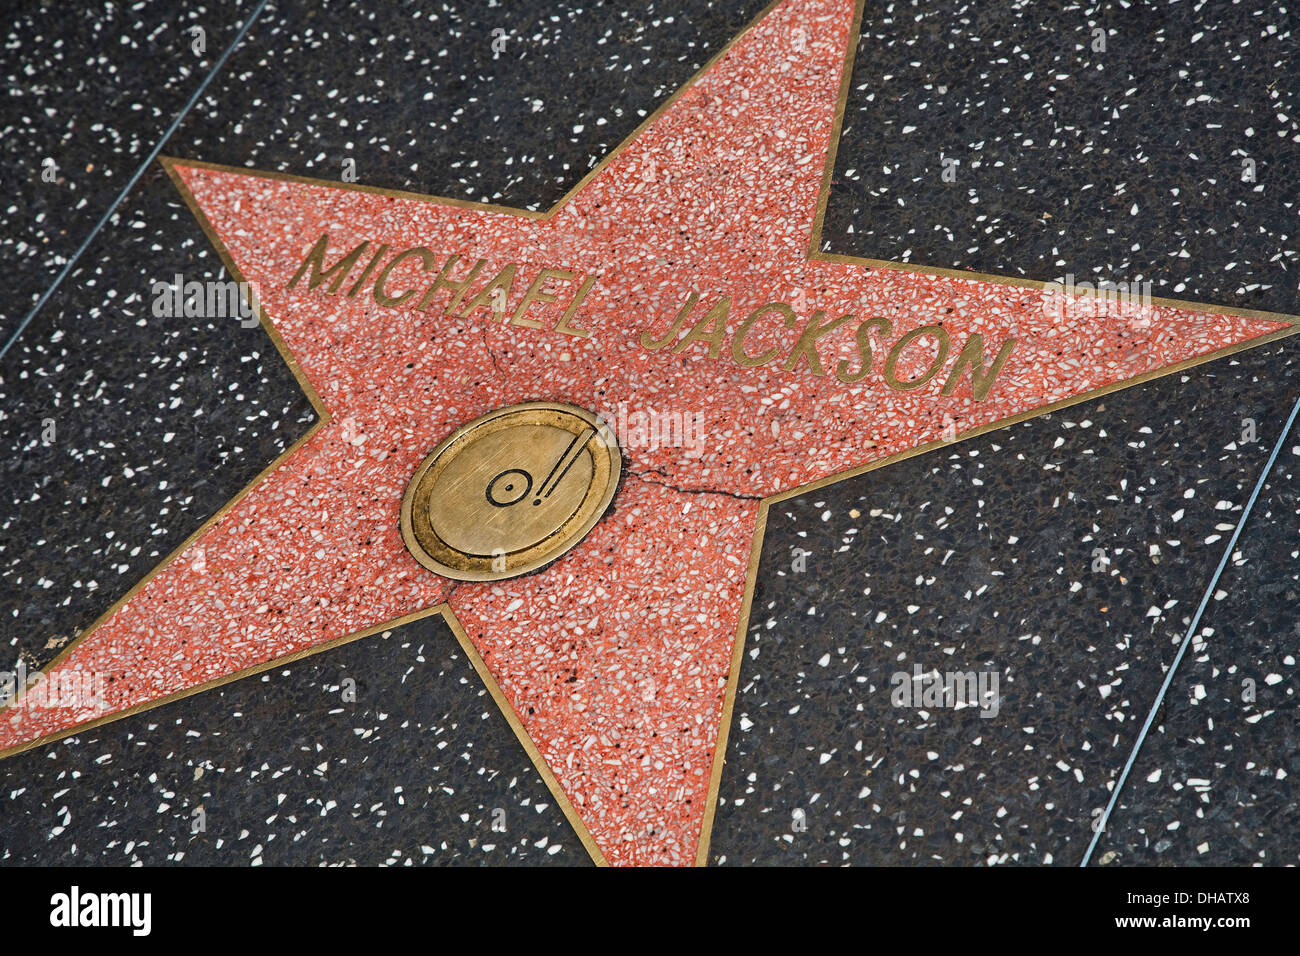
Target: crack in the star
{"x":644,"y":476}
{"x":452,"y":585}
{"x":488,"y":349}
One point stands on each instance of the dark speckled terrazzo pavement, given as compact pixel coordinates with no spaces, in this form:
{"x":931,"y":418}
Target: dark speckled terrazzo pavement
{"x":1215,"y":784}
{"x":1105,"y":140}
{"x":975,"y":558}
{"x":982,"y":559}
{"x":1046,"y":184}
{"x":90,"y":88}
{"x":386,"y":751}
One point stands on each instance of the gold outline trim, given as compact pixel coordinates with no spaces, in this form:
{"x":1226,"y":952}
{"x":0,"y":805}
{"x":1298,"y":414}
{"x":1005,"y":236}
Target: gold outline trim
{"x":823,"y":199}
{"x":814,"y":253}
{"x":322,"y":415}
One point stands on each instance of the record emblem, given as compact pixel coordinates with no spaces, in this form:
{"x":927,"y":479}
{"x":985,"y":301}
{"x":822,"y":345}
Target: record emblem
{"x":511,"y":491}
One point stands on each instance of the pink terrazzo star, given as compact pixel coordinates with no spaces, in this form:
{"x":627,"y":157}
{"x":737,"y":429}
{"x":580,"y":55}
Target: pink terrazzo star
{"x":619,"y":660}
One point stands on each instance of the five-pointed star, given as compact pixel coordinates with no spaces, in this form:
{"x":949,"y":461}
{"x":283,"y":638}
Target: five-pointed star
{"x":616,"y":665}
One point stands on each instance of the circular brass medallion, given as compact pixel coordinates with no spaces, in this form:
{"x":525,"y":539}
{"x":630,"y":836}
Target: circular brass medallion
{"x":510,"y":492}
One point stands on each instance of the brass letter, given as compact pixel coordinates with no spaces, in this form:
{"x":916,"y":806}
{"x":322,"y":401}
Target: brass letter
{"x":370,"y":267}
{"x":426,"y":258}
{"x":864,"y":349}
{"x":891,"y":378}
{"x":503,"y":281}
{"x":442,"y":282}
{"x":981,"y":378}
{"x":738,"y":343}
{"x":649,"y":343}
{"x":563,"y":325}
{"x":316,"y":260}
{"x":806,"y":347}
{"x":714,"y":333}
{"x":534,"y":293}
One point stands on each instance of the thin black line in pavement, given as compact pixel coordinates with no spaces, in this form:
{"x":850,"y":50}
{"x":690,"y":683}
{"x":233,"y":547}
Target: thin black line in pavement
{"x":1100,"y":827}
{"x":130,"y":183}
